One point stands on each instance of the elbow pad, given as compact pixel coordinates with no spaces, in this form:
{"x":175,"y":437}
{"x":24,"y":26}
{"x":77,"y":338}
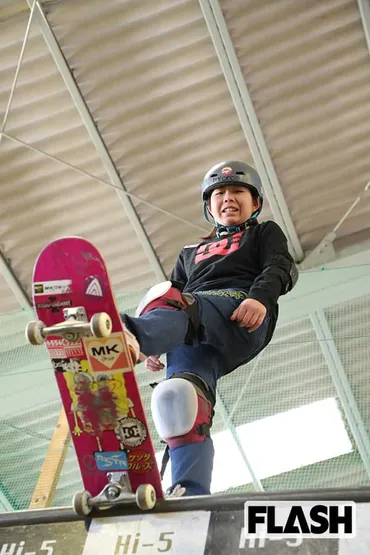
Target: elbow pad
{"x":293,"y":278}
{"x":287,"y":271}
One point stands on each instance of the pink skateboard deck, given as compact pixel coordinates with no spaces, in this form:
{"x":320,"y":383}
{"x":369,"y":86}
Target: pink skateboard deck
{"x":95,"y":376}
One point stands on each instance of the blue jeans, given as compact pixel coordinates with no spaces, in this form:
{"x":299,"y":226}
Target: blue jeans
{"x":223,"y":347}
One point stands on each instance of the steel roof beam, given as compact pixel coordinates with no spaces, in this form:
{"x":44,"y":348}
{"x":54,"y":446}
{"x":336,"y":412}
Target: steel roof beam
{"x":96,"y":138}
{"x":249,"y":122}
{"x":364,"y":8}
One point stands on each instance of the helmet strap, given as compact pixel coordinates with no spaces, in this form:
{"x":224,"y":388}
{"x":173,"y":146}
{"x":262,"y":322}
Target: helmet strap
{"x":230,"y":229}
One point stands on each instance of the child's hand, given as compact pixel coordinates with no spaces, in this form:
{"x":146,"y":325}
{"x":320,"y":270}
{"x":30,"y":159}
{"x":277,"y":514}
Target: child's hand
{"x":250,"y":314}
{"x":153,"y":363}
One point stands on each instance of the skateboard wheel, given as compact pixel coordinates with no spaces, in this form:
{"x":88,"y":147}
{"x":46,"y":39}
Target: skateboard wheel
{"x":101,"y":325}
{"x":34,"y":332}
{"x":81,"y":503}
{"x":145,"y":497}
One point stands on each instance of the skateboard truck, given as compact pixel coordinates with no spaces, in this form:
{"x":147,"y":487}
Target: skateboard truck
{"x":72,"y":328}
{"x":118,"y":491}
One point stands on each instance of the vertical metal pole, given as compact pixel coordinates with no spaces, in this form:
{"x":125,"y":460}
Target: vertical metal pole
{"x":342,"y":386}
{"x":5,"y":501}
{"x":225,"y":417}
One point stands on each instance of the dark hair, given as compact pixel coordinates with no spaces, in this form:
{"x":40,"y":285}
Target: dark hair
{"x":212,"y":235}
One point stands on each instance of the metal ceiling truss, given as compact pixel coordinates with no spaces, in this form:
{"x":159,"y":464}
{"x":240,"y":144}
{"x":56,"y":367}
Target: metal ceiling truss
{"x":20,"y":60}
{"x":96,"y":138}
{"x":32,"y":148}
{"x":5,"y":267}
{"x":364,"y":7}
{"x":249,"y":122}
{"x":325,"y":252}
{"x":37,"y":15}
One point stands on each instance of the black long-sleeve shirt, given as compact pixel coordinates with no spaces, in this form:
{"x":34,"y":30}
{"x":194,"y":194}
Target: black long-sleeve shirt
{"x":256,"y":261}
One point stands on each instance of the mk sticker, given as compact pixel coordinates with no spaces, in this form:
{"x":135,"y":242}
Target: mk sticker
{"x":107,"y":354}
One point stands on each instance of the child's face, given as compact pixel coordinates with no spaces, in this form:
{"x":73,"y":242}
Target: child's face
{"x":232,"y":205}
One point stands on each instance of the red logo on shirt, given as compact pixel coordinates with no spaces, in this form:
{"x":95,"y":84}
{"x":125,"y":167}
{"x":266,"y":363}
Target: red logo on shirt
{"x":221,"y":248}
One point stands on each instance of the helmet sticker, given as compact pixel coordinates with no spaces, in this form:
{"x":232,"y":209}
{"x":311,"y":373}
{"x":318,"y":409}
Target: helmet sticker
{"x":227,"y":170}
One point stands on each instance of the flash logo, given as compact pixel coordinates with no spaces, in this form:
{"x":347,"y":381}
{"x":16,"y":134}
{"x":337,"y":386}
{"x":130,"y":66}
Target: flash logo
{"x":306,"y":519}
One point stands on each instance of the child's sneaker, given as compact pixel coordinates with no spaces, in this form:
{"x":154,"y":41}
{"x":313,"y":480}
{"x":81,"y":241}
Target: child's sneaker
{"x":178,"y":491}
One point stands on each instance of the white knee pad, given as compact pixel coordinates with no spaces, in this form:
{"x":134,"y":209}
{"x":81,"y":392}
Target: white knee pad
{"x":174,"y":407}
{"x":181,"y":412}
